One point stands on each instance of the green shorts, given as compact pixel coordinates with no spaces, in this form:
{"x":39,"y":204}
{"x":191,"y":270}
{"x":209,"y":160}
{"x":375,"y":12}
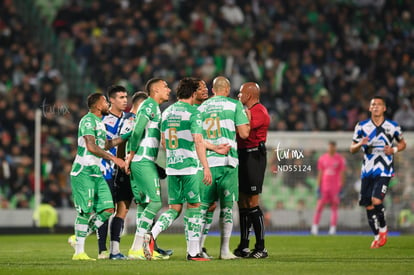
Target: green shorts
{"x":145,"y":182}
{"x":184,"y":188}
{"x":224,"y":187}
{"x":91,"y":193}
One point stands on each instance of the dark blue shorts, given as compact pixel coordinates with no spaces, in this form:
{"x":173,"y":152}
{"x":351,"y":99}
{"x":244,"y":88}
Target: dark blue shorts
{"x":373,"y":188}
{"x":123,"y":190}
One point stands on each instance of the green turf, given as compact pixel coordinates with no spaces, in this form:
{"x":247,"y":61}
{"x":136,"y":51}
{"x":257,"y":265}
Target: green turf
{"x":50,"y":254}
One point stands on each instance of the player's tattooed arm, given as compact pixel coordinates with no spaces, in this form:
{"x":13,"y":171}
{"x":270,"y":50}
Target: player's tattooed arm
{"x":109,"y":143}
{"x":99,"y":152}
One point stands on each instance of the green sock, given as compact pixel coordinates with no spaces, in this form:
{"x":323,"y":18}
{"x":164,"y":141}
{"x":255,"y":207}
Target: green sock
{"x":164,"y":221}
{"x":193,"y":230}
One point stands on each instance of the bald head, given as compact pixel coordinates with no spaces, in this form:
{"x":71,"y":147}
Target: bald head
{"x":249,"y":93}
{"x":221,"y":86}
{"x":251,"y":88}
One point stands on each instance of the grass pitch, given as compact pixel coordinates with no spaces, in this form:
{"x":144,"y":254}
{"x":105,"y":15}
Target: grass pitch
{"x":51,"y":254}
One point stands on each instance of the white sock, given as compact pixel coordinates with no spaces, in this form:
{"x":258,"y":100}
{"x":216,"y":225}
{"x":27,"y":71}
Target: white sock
{"x":193,"y":247}
{"x":314,"y":229}
{"x":226,"y":222}
{"x":114,"y":247}
{"x":383,"y":229}
{"x":80,"y":245}
{"x":138,"y":241}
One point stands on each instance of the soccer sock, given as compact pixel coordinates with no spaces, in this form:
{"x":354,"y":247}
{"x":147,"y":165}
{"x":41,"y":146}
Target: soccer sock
{"x":226,"y":224}
{"x":138,"y":239}
{"x":318,"y":212}
{"x":98,"y":220}
{"x":102,"y":234}
{"x":145,"y":221}
{"x":203,"y":211}
{"x":257,"y":219}
{"x":193,"y":230}
{"x":117,"y":226}
{"x":334,"y":214}
{"x":372,"y":221}
{"x":244,"y":228}
{"x":186,"y":231}
{"x":164,"y":221}
{"x":81,"y":231}
{"x":147,"y":216}
{"x":140,"y":209}
{"x":380,"y":213}
{"x":208,"y":221}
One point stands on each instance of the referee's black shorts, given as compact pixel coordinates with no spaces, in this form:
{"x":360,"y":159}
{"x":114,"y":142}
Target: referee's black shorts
{"x":252,"y":166}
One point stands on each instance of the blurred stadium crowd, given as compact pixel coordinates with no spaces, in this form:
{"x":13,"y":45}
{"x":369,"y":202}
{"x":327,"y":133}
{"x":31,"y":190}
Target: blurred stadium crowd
{"x":317,"y":62}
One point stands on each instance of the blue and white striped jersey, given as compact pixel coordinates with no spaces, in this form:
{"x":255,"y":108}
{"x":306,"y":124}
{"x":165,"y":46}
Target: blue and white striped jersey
{"x":127,"y":124}
{"x":113,"y":127}
{"x":376,"y":163}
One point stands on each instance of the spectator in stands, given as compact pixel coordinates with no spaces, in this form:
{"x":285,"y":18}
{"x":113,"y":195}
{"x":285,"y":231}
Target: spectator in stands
{"x":405,"y":115}
{"x":232,"y":13}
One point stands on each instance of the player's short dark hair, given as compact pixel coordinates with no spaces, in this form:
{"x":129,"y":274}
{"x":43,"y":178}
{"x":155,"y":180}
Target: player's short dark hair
{"x":187,"y":87}
{"x":138,"y":96}
{"x":93,"y":98}
{"x":151,"y":82}
{"x":381,"y":98}
{"x":113,"y":89}
{"x":332,"y":142}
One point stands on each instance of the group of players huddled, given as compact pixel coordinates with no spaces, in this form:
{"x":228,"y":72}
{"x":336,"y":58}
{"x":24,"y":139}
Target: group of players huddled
{"x":215,"y":152}
{"x":116,"y":164}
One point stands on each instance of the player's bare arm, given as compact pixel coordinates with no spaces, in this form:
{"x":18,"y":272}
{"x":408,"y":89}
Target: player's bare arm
{"x":113,"y":142}
{"x":395,"y":149}
{"x":243,"y":130}
{"x":356,"y":146}
{"x":99,"y":152}
{"x":222,"y":149}
{"x":201,"y":153}
{"x":135,"y":140}
{"x":163,"y":140}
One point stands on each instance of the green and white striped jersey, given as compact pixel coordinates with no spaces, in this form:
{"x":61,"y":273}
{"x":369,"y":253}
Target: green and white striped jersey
{"x":220,"y":116}
{"x":150,"y":142}
{"x":179,"y":122}
{"x":89,"y":125}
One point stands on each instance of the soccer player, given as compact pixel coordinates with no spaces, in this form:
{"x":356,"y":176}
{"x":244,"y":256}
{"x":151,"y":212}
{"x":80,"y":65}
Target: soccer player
{"x":181,"y":133}
{"x":331,"y":176}
{"x":91,"y":194}
{"x":118,"y":99}
{"x":122,"y":188}
{"x":252,"y":166}
{"x":123,"y":184}
{"x":379,"y":138}
{"x":206,"y":209}
{"x":201,"y":93}
{"x":222,"y":117}
{"x":143,"y":151}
